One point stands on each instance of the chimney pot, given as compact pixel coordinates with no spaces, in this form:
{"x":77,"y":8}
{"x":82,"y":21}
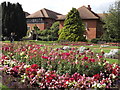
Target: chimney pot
{"x":89,"y":7}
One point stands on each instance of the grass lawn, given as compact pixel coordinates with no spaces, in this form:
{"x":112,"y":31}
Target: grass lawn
{"x":112,"y":60}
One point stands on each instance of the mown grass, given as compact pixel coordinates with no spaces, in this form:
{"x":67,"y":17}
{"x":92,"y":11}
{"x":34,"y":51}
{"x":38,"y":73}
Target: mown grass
{"x":111,"y":61}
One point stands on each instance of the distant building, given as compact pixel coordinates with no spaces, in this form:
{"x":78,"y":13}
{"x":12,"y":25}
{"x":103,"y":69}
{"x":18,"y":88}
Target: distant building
{"x":44,"y":18}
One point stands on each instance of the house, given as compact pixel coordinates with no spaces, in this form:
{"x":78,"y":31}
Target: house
{"x":91,"y":20}
{"x":44,"y":18}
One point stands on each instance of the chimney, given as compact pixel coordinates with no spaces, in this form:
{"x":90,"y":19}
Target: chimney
{"x":89,"y":7}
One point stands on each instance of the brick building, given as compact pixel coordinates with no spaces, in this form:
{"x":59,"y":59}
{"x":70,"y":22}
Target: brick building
{"x":44,"y":18}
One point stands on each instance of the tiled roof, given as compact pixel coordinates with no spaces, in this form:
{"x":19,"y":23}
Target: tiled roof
{"x":85,"y":13}
{"x":61,"y":17}
{"x":44,"y":13}
{"x":101,"y":15}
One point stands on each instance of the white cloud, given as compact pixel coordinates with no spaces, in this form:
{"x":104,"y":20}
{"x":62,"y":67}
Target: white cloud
{"x":63,"y":6}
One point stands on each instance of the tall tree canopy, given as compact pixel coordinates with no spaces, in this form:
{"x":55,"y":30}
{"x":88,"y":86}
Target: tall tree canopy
{"x":13,"y":20}
{"x":112,"y":22}
{"x":73,"y":29}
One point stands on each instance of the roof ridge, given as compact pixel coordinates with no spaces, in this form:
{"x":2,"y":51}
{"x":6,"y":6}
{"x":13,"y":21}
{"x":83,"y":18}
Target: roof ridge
{"x":52,"y":11}
{"x":42,"y":13}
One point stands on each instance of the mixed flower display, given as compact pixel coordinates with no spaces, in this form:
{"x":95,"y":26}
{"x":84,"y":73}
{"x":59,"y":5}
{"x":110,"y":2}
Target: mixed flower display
{"x":55,"y":68}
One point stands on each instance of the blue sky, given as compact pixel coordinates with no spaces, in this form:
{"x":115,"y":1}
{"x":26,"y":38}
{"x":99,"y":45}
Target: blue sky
{"x":63,"y":6}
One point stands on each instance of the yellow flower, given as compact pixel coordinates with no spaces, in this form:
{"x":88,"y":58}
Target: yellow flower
{"x":22,"y":53}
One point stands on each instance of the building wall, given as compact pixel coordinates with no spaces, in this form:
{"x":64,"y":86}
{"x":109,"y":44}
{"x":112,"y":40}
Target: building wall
{"x":91,"y":26}
{"x":61,"y":24}
{"x":41,"y":26}
{"x":46,"y":23}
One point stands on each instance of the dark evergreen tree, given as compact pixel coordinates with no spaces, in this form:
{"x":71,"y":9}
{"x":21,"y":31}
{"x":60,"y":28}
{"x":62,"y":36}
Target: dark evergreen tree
{"x":73,"y":29}
{"x":13,"y":20}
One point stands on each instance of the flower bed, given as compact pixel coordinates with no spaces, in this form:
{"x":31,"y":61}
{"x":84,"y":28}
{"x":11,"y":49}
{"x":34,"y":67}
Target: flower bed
{"x":45,"y":67}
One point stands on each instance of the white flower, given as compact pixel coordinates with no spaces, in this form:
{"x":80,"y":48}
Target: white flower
{"x":66,"y":47}
{"x":22,"y":53}
{"x":26,"y":66}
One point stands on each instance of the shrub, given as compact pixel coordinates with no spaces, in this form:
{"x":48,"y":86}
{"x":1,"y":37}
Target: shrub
{"x":95,"y":40}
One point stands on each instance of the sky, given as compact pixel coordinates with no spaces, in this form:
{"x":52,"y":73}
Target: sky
{"x":63,"y":6}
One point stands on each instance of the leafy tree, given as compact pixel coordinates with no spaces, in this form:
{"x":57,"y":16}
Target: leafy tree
{"x":13,"y":20}
{"x":50,"y":34}
{"x":73,"y":27}
{"x":112,"y":22}
{"x":54,"y":30}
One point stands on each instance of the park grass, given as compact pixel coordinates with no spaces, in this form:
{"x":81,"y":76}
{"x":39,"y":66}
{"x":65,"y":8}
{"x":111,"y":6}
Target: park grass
{"x":111,"y":61}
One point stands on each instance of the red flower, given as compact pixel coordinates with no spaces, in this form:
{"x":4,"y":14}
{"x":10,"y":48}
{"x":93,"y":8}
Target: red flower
{"x":92,"y":60}
{"x":67,"y":54}
{"x":44,"y":57}
{"x":100,"y":56}
{"x":71,"y":79}
{"x":85,"y":58}
{"x":34,"y":66}
{"x":86,"y":66}
{"x":96,"y":76}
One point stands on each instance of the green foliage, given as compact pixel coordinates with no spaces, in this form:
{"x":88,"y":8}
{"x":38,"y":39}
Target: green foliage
{"x":95,"y":40}
{"x":73,"y":27}
{"x":50,"y":34}
{"x":112,"y":22}
{"x":13,"y":20}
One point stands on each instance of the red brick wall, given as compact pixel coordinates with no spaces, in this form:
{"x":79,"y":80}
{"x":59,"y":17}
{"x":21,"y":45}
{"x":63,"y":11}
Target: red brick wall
{"x":61,"y":24}
{"x":48,"y":22}
{"x":41,"y":26}
{"x":91,"y":28}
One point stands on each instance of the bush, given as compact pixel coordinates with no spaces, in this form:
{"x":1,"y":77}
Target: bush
{"x":95,"y":40}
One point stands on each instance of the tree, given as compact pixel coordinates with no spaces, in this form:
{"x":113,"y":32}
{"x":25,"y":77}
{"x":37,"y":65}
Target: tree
{"x":50,"y":34}
{"x":54,"y":30}
{"x":73,"y":27}
{"x":112,"y":22}
{"x":13,"y":20}
{"x":36,"y":32}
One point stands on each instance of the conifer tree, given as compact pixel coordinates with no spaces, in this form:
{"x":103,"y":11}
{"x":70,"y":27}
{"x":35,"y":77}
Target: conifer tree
{"x":13,"y":20}
{"x":73,"y":29}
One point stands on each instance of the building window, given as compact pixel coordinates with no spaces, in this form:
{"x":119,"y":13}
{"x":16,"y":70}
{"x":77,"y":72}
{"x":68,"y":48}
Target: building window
{"x":28,"y":28}
{"x":86,"y":25}
{"x":34,"y":20}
